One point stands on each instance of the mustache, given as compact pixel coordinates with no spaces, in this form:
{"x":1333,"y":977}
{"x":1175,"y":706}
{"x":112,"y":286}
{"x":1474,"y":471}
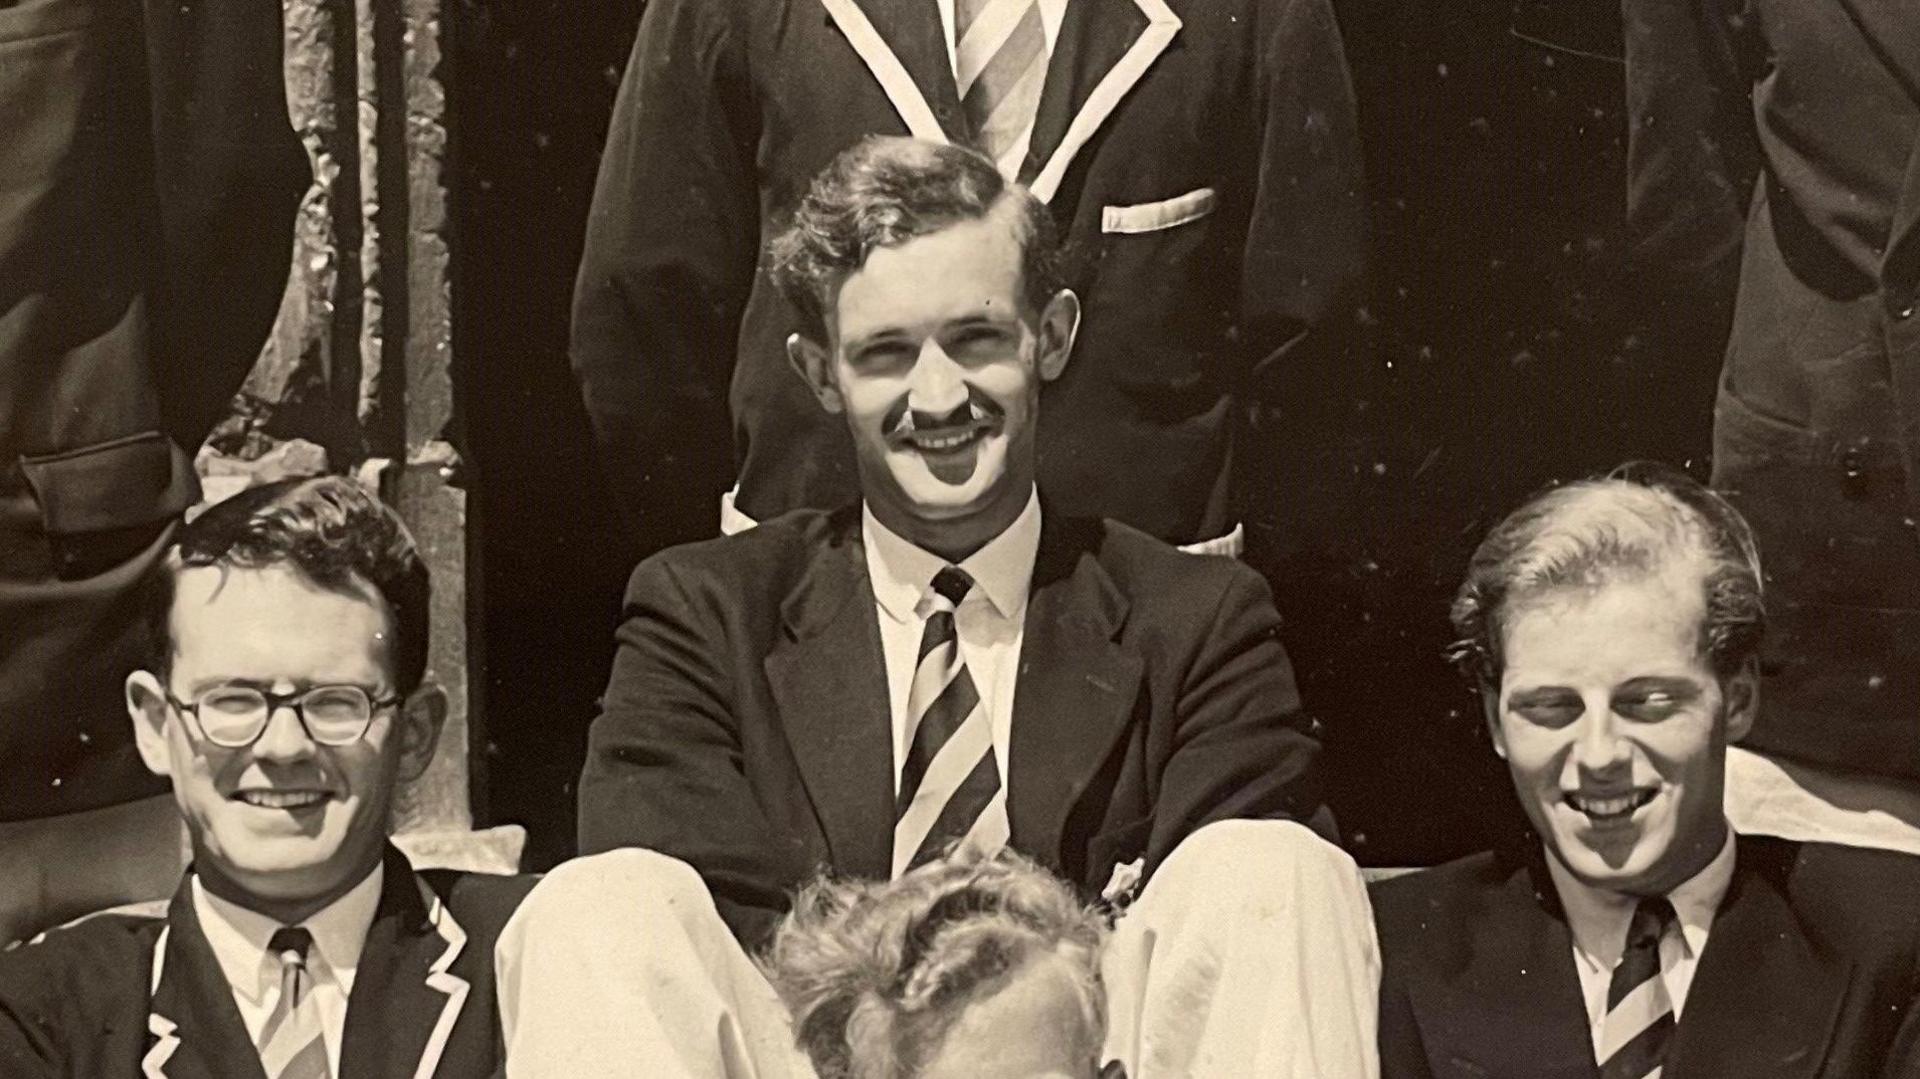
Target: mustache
{"x":902,"y":421}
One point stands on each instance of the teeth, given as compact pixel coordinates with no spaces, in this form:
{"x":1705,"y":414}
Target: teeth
{"x":1610,"y":807}
{"x":945,"y":442}
{"x":281,"y":799}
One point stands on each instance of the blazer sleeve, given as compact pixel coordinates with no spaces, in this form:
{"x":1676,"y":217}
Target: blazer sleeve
{"x":1244,"y":749}
{"x":1692,"y":150}
{"x":1304,"y":258}
{"x":671,"y":249}
{"x":664,"y":768}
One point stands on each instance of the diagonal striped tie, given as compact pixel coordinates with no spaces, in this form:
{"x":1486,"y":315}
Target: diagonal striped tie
{"x":950,"y":784}
{"x":1639,"y":1017}
{"x":1000,"y":62}
{"x":291,"y":1045}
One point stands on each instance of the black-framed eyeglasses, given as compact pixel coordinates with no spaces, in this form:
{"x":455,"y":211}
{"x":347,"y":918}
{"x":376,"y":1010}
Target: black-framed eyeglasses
{"x":234,"y":717}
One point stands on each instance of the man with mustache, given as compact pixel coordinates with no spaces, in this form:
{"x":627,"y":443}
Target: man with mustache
{"x":286,"y":701}
{"x":944,"y":663}
{"x":1612,"y":627}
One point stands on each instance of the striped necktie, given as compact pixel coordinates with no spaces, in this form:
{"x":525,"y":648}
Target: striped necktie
{"x":1000,"y":62}
{"x":950,"y":785}
{"x":291,"y":1045}
{"x":1639,"y":1018}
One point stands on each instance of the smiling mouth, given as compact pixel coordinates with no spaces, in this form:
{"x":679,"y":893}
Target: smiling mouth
{"x":1603,"y":809}
{"x":276,"y":799}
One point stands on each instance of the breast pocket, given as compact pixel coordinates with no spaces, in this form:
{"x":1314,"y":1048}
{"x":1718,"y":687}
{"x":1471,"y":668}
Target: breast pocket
{"x":1155,"y":216}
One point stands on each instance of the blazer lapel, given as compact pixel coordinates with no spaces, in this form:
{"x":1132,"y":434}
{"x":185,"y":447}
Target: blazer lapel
{"x":903,"y":44}
{"x":1515,"y":1008}
{"x":1763,"y":1002}
{"x":1105,"y":47}
{"x":405,"y":999}
{"x":828,"y":676}
{"x":1076,"y":688}
{"x":193,"y":1024}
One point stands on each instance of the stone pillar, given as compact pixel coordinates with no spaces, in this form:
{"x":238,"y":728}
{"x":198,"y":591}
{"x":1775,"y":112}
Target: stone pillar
{"x":357,"y":376}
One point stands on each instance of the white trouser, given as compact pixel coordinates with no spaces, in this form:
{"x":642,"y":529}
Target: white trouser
{"x":1805,"y":802}
{"x":1251,"y":952}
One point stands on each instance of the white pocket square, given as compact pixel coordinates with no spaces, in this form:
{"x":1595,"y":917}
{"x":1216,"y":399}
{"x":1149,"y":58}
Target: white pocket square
{"x":1154,"y":216}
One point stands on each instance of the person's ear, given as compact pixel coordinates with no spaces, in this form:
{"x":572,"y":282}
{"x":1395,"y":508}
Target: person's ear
{"x":147,"y":710}
{"x":815,"y":364}
{"x":1742,"y":693}
{"x":1490,"y":710}
{"x":1059,"y":325}
{"x":421,"y":716}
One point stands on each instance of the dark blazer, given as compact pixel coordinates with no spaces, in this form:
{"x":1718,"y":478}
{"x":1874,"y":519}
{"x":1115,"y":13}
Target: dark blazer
{"x":746,"y":728}
{"x":1775,"y":169}
{"x":151,"y":178}
{"x":1236,"y":115}
{"x":1811,"y":969}
{"x":81,"y":1003}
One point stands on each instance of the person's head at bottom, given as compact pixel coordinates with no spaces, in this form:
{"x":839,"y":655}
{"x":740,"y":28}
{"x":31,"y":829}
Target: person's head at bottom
{"x":967,"y":966}
{"x":285,"y":697}
{"x":1612,"y":626}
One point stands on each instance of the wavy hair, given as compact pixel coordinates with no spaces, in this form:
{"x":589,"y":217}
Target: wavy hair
{"x":874,"y":973}
{"x":1630,"y":522}
{"x":330,"y":530}
{"x":886,"y":190}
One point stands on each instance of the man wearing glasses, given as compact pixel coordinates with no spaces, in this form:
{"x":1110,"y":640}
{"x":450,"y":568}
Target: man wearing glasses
{"x":285,"y":700}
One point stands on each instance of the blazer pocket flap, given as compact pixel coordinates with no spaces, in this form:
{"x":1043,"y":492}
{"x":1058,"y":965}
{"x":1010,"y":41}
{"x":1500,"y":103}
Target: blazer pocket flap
{"x":125,"y":483}
{"x":1154,"y":216}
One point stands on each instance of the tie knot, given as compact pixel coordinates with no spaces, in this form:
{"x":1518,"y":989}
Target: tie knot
{"x":952,"y":584}
{"x":290,"y":944}
{"x":1651,"y":920}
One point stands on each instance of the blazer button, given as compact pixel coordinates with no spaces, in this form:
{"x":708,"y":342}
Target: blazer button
{"x":1853,"y":474}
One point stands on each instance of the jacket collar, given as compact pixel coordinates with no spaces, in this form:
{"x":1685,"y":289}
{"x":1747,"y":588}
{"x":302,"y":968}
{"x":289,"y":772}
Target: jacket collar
{"x":1104,"y":49}
{"x":1075,"y":692}
{"x":404,"y":1004}
{"x":1763,"y":1001}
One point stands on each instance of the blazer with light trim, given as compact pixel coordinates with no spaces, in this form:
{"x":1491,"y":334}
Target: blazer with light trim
{"x":1202,"y":160}
{"x":747,"y":730}
{"x":125,"y":996}
{"x":1811,"y":971}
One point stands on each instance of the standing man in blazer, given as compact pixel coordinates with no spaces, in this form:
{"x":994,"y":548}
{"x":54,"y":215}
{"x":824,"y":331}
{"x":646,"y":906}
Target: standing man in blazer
{"x":1775,"y":166}
{"x":948,"y":661}
{"x":148,"y":185}
{"x":1612,"y":626}
{"x":285,"y":701}
{"x":1199,"y":156}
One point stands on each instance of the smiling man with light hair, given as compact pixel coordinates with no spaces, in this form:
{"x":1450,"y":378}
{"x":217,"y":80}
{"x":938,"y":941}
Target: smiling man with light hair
{"x":1612,"y":627}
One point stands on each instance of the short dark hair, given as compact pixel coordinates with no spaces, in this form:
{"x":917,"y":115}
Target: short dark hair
{"x":330,"y":530}
{"x":884,"y":191}
{"x":874,"y":973}
{"x":1631,"y":522}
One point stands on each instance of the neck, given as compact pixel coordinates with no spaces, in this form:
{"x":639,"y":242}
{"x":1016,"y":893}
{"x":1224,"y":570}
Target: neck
{"x":953,"y":539}
{"x":287,"y":910}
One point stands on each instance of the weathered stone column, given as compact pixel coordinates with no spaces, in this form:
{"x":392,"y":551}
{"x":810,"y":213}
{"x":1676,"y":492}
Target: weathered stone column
{"x":357,"y":375}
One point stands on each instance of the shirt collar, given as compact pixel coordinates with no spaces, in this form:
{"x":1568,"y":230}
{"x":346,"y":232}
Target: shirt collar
{"x":1002,"y":570}
{"x":1598,"y":919}
{"x":239,"y":936}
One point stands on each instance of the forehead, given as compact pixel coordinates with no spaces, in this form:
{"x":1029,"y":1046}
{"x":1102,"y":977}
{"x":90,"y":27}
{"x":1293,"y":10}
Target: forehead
{"x":1629,"y":627}
{"x":968,"y":268}
{"x":273,"y":622}
{"x":1033,"y":1024}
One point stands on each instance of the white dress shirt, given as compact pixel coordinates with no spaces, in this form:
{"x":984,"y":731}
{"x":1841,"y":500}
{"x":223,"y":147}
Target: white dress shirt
{"x":990,"y":620}
{"x":1052,"y":13}
{"x":239,"y":939}
{"x":1598,"y":921}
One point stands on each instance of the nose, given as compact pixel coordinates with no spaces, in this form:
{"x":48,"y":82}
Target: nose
{"x":284,"y":738}
{"x":1600,"y":744}
{"x":935,"y":385}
